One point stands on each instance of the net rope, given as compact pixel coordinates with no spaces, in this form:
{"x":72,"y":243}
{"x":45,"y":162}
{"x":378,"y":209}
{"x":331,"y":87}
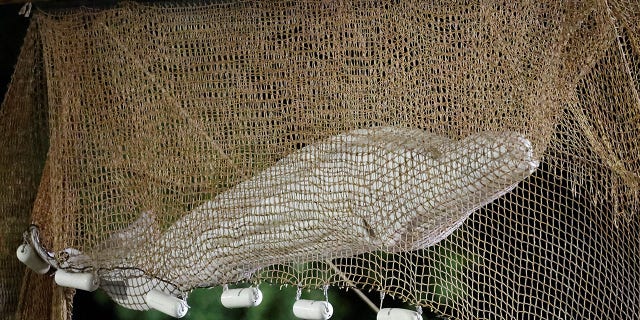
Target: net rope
{"x":479,"y":158}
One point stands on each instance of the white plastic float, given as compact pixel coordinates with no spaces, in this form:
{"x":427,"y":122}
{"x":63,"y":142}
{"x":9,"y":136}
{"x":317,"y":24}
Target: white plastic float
{"x":398,"y":314}
{"x":166,"y":303}
{"x":27,"y":255}
{"x":78,"y":280}
{"x":241,"y":297}
{"x":312,"y":309}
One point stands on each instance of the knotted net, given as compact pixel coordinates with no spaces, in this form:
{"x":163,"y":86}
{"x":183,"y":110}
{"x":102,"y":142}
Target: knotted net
{"x":479,"y":159}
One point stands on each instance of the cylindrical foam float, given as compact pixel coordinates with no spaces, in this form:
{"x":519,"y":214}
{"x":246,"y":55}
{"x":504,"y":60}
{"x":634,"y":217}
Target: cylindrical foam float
{"x":241,"y":298}
{"x":398,"y":314}
{"x":312,"y":309}
{"x":27,"y":255}
{"x":82,"y":281}
{"x":167,"y":303}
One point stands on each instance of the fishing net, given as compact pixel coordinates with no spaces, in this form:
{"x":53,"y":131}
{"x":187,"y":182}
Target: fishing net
{"x":479,"y":159}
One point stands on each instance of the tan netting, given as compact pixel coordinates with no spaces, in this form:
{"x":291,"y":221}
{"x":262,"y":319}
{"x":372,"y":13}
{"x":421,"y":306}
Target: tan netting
{"x":480,"y":159}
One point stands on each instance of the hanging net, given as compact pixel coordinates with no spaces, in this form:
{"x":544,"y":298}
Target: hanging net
{"x":478,"y":159}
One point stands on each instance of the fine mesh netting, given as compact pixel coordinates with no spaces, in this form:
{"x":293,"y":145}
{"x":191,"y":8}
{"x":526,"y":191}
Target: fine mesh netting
{"x":479,"y":159}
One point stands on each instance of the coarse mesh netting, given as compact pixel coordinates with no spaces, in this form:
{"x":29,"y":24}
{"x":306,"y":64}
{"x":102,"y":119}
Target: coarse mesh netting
{"x":477,"y":158}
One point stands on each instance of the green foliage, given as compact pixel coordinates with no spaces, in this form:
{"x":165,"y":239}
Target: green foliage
{"x":205,"y":304}
{"x":447,"y":275}
{"x":446,"y":285}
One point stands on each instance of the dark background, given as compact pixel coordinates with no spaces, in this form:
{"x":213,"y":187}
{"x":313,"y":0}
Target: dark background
{"x":12,"y":30}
